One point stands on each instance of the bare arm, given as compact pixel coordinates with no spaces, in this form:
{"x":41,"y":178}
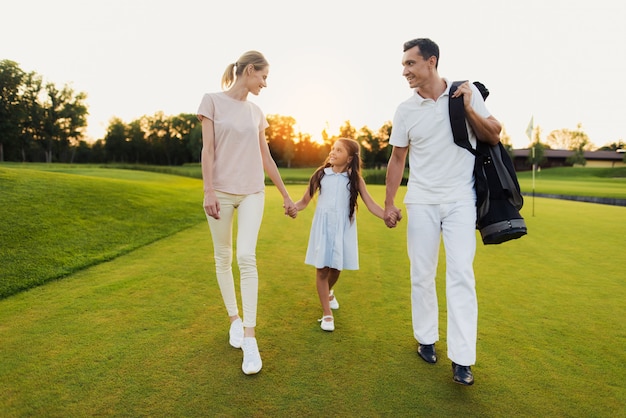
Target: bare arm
{"x":211,"y":204}
{"x":272,"y":171}
{"x":395,"y":170}
{"x":304,"y":202}
{"x":486,"y":129}
{"x":372,"y":206}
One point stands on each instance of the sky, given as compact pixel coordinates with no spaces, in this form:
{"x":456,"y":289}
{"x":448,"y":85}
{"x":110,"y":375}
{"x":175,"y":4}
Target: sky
{"x":559,"y":63}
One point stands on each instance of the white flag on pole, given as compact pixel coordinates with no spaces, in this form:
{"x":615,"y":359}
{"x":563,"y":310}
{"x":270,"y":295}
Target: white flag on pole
{"x":529,"y":129}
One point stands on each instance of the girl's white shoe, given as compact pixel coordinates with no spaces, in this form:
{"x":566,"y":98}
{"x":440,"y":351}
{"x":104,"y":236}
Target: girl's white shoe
{"x":333,"y":302}
{"x":327,"y":323}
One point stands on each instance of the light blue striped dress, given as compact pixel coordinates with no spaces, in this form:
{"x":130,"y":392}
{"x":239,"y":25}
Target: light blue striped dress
{"x":333,"y":239}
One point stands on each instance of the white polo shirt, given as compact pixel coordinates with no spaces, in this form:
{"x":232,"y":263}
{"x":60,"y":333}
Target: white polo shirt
{"x":439,"y":170}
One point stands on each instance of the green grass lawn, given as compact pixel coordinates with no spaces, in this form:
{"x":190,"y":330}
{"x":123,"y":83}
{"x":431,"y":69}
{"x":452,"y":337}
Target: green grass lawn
{"x":578,"y":181}
{"x":144,"y":333}
{"x":65,"y":218}
{"x":573,"y":181}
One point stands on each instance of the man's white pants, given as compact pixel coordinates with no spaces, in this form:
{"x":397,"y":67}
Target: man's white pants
{"x":456,"y":222}
{"x":250,"y":214}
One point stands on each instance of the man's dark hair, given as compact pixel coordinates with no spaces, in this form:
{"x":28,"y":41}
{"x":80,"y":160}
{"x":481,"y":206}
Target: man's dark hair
{"x":427,"y":48}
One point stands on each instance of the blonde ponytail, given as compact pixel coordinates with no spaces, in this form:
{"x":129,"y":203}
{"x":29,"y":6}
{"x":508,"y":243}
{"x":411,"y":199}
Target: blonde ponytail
{"x":236,"y":69}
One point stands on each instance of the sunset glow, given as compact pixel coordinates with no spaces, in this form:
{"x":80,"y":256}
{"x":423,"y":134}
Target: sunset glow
{"x":332,"y":61}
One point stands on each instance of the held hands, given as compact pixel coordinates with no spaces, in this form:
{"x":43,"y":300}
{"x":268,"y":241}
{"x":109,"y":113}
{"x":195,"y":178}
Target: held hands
{"x":392,"y":216}
{"x":290,"y":208}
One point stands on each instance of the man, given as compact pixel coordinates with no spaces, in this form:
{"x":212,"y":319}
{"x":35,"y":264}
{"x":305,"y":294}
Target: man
{"x":440,"y":201}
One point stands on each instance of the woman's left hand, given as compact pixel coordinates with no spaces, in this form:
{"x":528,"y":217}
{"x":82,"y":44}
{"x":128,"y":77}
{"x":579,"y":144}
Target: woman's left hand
{"x":290,"y":208}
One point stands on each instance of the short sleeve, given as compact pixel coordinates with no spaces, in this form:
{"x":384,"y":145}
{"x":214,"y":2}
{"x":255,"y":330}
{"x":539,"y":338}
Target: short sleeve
{"x":399,"y":137}
{"x":264,"y":123}
{"x":206,"y":108}
{"x":478,"y":103}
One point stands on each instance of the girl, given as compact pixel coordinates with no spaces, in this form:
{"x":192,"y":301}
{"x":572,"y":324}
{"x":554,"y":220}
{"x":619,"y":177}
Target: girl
{"x":235,"y":155}
{"x":333,"y":244}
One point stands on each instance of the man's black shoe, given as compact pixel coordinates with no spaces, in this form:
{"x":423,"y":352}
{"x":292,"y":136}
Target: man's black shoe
{"x":427,"y":352}
{"x":462,"y":374}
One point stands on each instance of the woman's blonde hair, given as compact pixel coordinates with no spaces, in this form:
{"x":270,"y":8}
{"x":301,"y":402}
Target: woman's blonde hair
{"x":236,"y":69}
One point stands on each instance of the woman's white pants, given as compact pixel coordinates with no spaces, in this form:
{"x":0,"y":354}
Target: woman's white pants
{"x":249,"y":210}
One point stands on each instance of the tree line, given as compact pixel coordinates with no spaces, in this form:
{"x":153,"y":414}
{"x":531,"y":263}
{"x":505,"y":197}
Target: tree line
{"x":574,"y":140}
{"x":177,"y":140}
{"x":40,"y":122}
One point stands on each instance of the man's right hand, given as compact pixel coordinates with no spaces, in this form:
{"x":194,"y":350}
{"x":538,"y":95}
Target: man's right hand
{"x":392,"y":216}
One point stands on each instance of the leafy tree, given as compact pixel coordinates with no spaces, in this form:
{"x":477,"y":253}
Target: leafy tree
{"x":182,"y":126}
{"x":64,"y":119}
{"x":33,"y":115}
{"x":308,"y":153}
{"x":577,"y":141}
{"x":373,"y":147}
{"x":116,"y":145}
{"x":162,"y":139}
{"x":384,"y":133}
{"x":568,"y":139}
{"x":83,"y":153}
{"x":157,"y":139}
{"x":369,"y":146}
{"x":280,"y":137}
{"x":325,"y":137}
{"x":347,"y":130}
{"x":139,"y":147}
{"x":97,"y":152}
{"x":580,"y":140}
{"x":50,"y":131}
{"x":577,"y":158}
{"x":73,"y":119}
{"x":559,"y":139}
{"x":194,"y":142}
{"x":613,"y":146}
{"x":289,"y":152}
{"x":11,"y":114}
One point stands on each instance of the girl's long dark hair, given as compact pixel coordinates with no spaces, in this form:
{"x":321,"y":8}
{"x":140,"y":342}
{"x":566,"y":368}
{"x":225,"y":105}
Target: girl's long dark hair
{"x":354,"y":174}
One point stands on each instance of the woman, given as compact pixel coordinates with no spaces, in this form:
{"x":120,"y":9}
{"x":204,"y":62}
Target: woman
{"x":235,"y":155}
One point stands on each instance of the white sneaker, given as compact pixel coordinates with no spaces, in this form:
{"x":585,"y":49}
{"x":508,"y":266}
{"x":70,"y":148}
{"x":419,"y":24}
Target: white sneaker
{"x":235,"y":335}
{"x":333,"y":302}
{"x":251,"y":357}
{"x":327,"y":325}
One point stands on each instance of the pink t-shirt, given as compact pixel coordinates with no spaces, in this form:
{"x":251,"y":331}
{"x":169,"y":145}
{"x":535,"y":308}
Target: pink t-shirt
{"x":238,"y":166}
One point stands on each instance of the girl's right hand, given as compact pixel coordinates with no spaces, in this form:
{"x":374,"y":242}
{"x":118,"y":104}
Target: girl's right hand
{"x":392,"y":216}
{"x":211,"y":205}
{"x":291,"y":209}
